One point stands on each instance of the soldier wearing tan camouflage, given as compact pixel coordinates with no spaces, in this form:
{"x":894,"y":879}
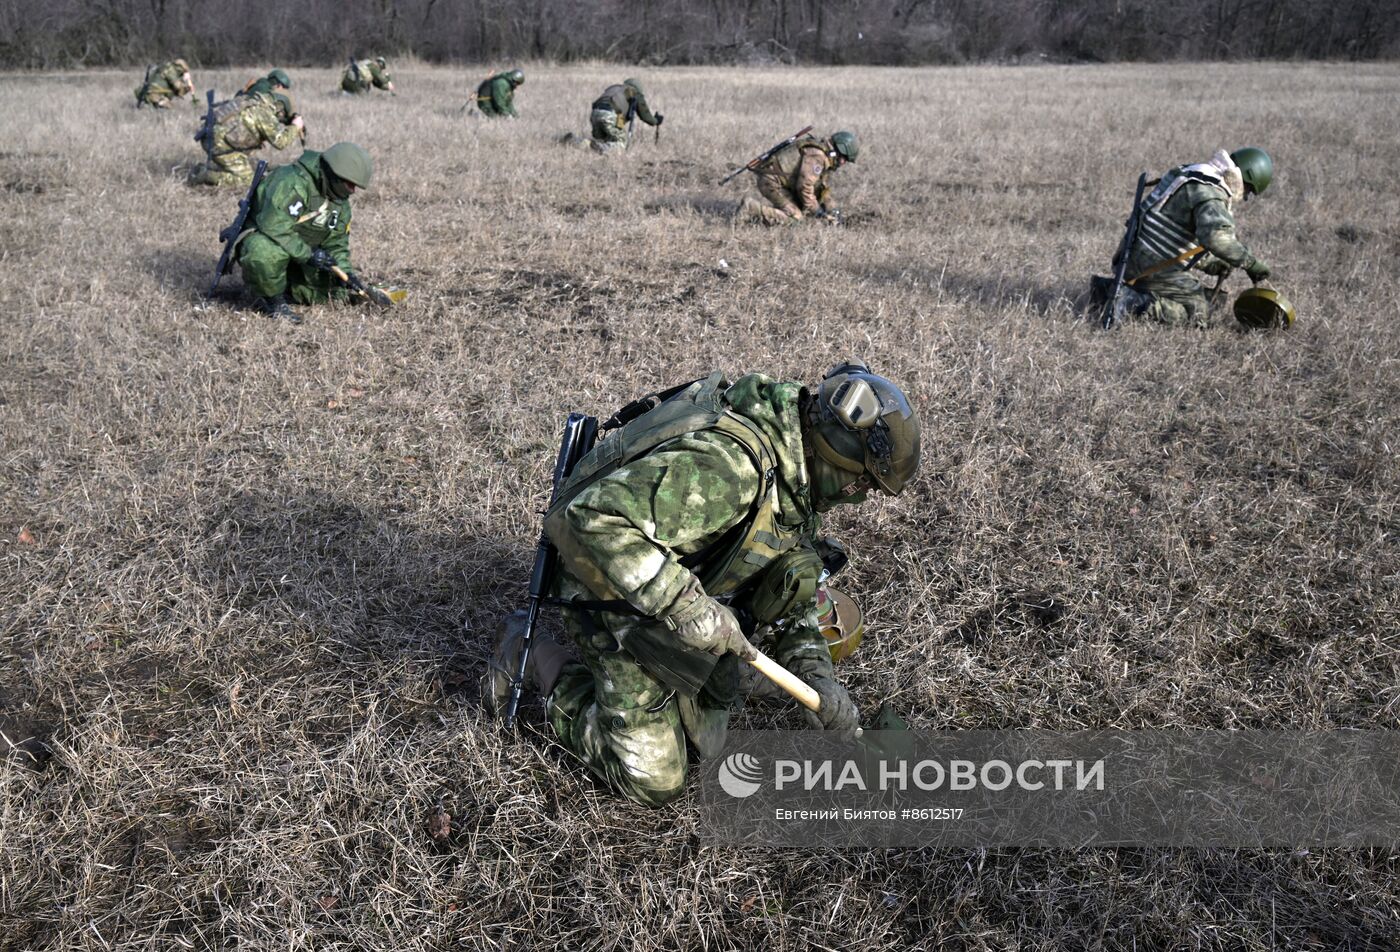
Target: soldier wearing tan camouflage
{"x":240,"y":127}
{"x":796,"y":181}
{"x":164,"y":84}
{"x":690,"y":530}
{"x":363,"y":75}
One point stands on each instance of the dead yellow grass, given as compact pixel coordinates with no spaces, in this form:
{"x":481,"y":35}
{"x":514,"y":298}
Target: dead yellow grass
{"x":260,"y":564}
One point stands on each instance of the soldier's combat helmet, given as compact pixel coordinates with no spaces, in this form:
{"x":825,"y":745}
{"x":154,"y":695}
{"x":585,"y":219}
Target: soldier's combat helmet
{"x":516,"y":77}
{"x":381,"y":62}
{"x":635,"y":84}
{"x":285,"y":105}
{"x":348,"y":161}
{"x":845,"y":145}
{"x":1256,"y":168}
{"x":862,"y":432}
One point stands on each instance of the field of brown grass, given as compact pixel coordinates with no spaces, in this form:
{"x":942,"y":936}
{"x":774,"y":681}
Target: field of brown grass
{"x":248,"y":571}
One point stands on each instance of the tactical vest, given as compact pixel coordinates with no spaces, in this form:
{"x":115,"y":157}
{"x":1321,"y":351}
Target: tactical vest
{"x":228,"y":119}
{"x":1158,"y":235}
{"x":789,"y":160}
{"x":726,"y":565}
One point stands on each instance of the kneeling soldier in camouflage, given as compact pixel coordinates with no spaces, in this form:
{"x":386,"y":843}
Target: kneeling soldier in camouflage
{"x":164,"y":84}
{"x":363,"y":75}
{"x":1187,"y":223}
{"x":239,"y":127}
{"x":690,"y":530}
{"x":495,"y":97}
{"x":300,"y":229}
{"x":795,"y":182}
{"x":614,"y":110}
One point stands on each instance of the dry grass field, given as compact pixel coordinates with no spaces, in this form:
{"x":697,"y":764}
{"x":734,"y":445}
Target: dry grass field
{"x":249,"y":571}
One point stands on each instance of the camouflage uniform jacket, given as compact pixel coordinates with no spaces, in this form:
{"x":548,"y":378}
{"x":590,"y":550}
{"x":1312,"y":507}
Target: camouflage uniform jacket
{"x":244,"y":123}
{"x":295,"y":209}
{"x":264,"y":87}
{"x":620,"y":98}
{"x":496,"y":96}
{"x":1188,"y":211}
{"x":361,"y":75}
{"x":164,"y":82}
{"x":718,"y":503}
{"x":803,"y":171}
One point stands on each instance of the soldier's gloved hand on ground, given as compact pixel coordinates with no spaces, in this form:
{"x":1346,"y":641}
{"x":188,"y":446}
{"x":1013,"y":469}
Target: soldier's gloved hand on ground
{"x":705,"y":625}
{"x":1257,"y":270}
{"x":838,"y":712}
{"x":660,"y":118}
{"x":321,"y":260}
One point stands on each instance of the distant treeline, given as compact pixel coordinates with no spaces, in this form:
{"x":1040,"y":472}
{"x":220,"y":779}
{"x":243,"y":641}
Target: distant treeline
{"x":62,"y":33}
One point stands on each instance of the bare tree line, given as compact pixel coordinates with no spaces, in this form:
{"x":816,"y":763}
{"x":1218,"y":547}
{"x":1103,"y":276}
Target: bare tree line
{"x":62,"y":33}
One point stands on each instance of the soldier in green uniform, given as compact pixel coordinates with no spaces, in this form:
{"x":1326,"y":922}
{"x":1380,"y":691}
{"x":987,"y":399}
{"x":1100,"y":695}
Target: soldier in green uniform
{"x":300,"y":229}
{"x":796,"y":181}
{"x":697,"y":513}
{"x":267,"y":85}
{"x":495,"y":97}
{"x":1185,"y":224}
{"x":240,"y":127}
{"x":363,"y":75}
{"x":614,"y":109}
{"x":164,"y":84}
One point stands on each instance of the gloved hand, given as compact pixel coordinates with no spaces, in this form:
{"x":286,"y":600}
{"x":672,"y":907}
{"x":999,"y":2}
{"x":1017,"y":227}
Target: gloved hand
{"x":321,"y":260}
{"x":1257,"y":270}
{"x":660,"y":118}
{"x":838,"y":712}
{"x":1213,"y":266}
{"x":705,"y":625}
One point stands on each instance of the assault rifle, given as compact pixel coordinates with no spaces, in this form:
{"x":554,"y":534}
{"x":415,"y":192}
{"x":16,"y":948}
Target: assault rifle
{"x":205,"y":136}
{"x":1125,"y":251}
{"x":580,"y":432}
{"x":229,"y":236}
{"x":754,"y":163}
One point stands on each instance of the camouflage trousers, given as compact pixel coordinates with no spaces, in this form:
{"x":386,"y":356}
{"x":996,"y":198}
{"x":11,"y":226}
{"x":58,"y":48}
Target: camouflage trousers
{"x":230,"y":168}
{"x":269,"y":271}
{"x":607,"y":134}
{"x":1178,"y":299}
{"x":624,"y":724}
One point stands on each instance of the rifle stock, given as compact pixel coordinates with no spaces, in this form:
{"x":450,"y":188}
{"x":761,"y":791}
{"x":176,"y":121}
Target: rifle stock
{"x":580,"y":432}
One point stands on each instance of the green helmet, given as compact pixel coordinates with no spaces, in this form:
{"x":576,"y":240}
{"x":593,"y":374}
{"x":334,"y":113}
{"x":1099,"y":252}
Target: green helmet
{"x":285,"y":104}
{"x":381,"y":62}
{"x":1255,"y":166}
{"x":280,"y":77}
{"x":516,"y":77}
{"x":635,"y":84}
{"x":846,"y":145}
{"x":350,"y":162}
{"x":863,"y":426}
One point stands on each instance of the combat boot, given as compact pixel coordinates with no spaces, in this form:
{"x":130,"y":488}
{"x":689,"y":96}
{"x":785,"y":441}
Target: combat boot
{"x":279,"y":306}
{"x":547,"y":659}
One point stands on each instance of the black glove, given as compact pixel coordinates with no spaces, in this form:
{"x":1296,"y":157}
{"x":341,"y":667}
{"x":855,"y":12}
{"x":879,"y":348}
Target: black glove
{"x":838,"y":712}
{"x":1257,"y":270}
{"x":1214,"y":267}
{"x":660,"y":118}
{"x":321,"y":260}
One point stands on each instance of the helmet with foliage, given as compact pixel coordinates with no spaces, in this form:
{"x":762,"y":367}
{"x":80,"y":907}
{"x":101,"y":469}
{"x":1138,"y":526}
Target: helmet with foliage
{"x":846,"y":145}
{"x":516,"y":77}
{"x":348,"y":161}
{"x":182,"y":65}
{"x":862,"y":433}
{"x":280,"y":77}
{"x":1256,"y":168}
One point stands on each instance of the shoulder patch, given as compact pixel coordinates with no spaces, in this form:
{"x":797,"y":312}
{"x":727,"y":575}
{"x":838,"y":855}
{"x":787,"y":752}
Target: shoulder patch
{"x":295,"y":208}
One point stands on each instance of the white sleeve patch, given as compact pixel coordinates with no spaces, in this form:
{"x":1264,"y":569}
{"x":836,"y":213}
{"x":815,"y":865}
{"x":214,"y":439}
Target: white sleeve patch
{"x":295,"y":208}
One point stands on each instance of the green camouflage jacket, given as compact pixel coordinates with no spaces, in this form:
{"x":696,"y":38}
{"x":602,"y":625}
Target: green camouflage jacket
{"x":1196,"y":216}
{"x":646,"y":529}
{"x":294,"y":208}
{"x":264,"y":87}
{"x":496,"y":96}
{"x":166,"y":81}
{"x":248,"y":123}
{"x":616,"y":98}
{"x":362,"y":75}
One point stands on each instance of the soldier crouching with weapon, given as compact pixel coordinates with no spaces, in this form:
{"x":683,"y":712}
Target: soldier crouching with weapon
{"x":685,"y":546}
{"x":794,"y":178}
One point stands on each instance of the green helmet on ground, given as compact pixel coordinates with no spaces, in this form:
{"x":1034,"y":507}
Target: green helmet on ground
{"x":516,"y":77}
{"x":280,"y":77}
{"x":865,"y":427}
{"x":635,"y":84}
{"x":846,"y":145}
{"x":350,"y":162}
{"x":1256,"y":168}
